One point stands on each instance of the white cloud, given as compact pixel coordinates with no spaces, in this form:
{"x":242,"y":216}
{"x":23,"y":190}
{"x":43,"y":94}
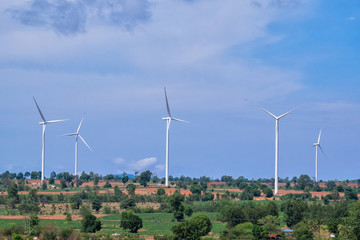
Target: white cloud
{"x":351,"y":18}
{"x":160,"y":167}
{"x":142,"y":164}
{"x":119,"y":161}
{"x":135,"y":165}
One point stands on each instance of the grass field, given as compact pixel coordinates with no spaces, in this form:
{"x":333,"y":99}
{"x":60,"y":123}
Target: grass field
{"x":153,"y":223}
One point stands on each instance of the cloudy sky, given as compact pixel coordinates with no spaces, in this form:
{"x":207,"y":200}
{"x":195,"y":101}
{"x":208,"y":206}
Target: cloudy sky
{"x":111,"y":59}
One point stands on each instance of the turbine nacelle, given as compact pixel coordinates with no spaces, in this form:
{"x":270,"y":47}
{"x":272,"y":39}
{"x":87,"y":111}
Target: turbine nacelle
{"x":175,"y":119}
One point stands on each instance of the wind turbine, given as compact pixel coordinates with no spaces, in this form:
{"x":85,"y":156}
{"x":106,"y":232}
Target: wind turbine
{"x":168,"y":121}
{"x":77,"y":136}
{"x":44,"y":123}
{"x":277,"y":118}
{"x":317,"y":145}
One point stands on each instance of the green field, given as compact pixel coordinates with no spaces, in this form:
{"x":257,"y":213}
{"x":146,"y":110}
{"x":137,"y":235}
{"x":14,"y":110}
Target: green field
{"x":153,"y":223}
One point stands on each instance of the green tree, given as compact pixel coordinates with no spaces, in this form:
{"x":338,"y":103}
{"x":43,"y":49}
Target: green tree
{"x":194,"y":228}
{"x":145,"y":177}
{"x":302,"y":231}
{"x":240,"y":231}
{"x":175,"y":202}
{"x":17,"y":236}
{"x":117,"y":193}
{"x":31,"y":203}
{"x":125,"y":178}
{"x":96,"y":179}
{"x":330,"y":185}
{"x":68,"y":217}
{"x":259,"y":232}
{"x":351,"y":195}
{"x":352,"y":222}
{"x":196,"y":189}
{"x":160,"y":191}
{"x":268,"y":192}
{"x":20,"y":175}
{"x":63,"y":183}
{"x":96,"y":203}
{"x":12,"y":191}
{"x":90,"y":224}
{"x":270,"y":223}
{"x":76,"y":202}
{"x":107,"y":185}
{"x":233,"y":215}
{"x":295,"y":211}
{"x":130,"y":221}
{"x":127,"y":203}
{"x":84,"y":210}
{"x":131,"y":189}
{"x":65,"y":233}
{"x":188,"y":211}
{"x":305,"y":181}
{"x":34,"y":220}
{"x":51,"y":180}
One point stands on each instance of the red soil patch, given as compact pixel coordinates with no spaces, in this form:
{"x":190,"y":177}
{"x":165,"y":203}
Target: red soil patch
{"x":168,"y":191}
{"x":216,"y":183}
{"x":50,"y":217}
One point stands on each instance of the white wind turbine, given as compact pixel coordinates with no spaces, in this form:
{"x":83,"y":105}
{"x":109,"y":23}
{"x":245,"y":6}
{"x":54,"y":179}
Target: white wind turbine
{"x":77,"y":136}
{"x":277,"y":118}
{"x":44,"y":123}
{"x":317,"y":145}
{"x":168,"y":121}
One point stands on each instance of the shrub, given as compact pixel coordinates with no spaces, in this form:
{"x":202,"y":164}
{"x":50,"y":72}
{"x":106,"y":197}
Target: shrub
{"x":268,"y":192}
{"x":17,"y":236}
{"x":107,"y":185}
{"x":36,"y":231}
{"x":127,"y":203}
{"x":302,"y":232}
{"x":90,"y":224}
{"x":188,"y":211}
{"x":106,"y":210}
{"x":13,"y":230}
{"x":85,"y":210}
{"x":130,"y":221}
{"x":68,"y":217}
{"x":50,"y":232}
{"x":194,"y":228}
{"x":160,"y":191}
{"x":65,"y":233}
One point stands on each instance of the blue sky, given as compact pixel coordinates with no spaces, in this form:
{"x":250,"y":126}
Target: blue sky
{"x":111,"y":59}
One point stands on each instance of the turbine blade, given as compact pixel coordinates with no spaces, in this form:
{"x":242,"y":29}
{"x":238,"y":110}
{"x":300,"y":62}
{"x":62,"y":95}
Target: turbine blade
{"x":167,"y":103}
{"x":322,"y":150}
{"x":70,"y":134}
{"x":78,"y":129}
{"x":42,"y":116}
{"x":319,"y":136}
{"x":56,"y":121}
{"x":180,"y":120}
{"x":84,"y":142}
{"x":288,"y":112}
{"x":262,"y":108}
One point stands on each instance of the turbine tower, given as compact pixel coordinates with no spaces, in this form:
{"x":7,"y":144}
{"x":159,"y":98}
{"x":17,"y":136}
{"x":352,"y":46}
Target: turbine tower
{"x":168,"y":121}
{"x":44,"y":123}
{"x":277,"y":118}
{"x":317,"y":145}
{"x":77,"y":136}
